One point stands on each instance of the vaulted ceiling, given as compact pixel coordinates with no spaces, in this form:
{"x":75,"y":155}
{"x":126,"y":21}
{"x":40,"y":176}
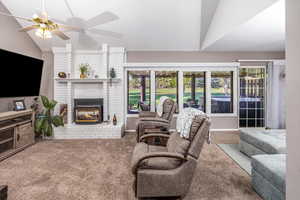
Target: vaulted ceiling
{"x":170,"y":25}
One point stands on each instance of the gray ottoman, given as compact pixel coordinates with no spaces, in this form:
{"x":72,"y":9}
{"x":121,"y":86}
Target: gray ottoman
{"x":256,"y":141}
{"x":268,"y":176}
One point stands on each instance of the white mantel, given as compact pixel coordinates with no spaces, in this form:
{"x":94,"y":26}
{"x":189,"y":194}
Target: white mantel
{"x":67,"y":59}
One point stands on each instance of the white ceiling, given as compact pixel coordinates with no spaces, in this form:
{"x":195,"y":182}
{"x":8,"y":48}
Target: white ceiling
{"x":264,"y":32}
{"x":164,"y":25}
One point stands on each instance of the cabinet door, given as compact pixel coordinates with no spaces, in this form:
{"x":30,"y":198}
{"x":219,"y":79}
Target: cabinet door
{"x":24,"y":135}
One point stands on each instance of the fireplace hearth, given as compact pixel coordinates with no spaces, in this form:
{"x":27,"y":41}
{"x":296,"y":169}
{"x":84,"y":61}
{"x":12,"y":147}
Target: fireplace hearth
{"x":88,"y":111}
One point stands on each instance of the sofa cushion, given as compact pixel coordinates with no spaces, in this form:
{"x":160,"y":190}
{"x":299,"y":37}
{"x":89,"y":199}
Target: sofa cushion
{"x":272,"y":168}
{"x":269,"y":141}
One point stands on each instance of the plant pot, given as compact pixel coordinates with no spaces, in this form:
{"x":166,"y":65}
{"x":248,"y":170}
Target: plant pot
{"x":83,"y":76}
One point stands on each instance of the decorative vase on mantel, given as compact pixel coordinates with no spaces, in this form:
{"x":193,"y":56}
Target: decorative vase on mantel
{"x":115,"y":120}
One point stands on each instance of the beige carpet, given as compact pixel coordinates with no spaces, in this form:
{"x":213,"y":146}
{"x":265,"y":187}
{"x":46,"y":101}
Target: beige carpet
{"x":100,"y":169}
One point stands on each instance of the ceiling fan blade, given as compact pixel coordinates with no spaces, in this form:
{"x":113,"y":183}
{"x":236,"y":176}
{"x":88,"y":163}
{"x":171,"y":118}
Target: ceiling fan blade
{"x":9,"y":15}
{"x":67,"y":28}
{"x":105,"y":33}
{"x":58,"y":21}
{"x":61,"y":35}
{"x":29,"y":28}
{"x":102,"y":18}
{"x":87,"y":41}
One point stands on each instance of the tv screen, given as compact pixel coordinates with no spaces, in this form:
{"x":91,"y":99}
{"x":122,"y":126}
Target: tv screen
{"x":20,"y":75}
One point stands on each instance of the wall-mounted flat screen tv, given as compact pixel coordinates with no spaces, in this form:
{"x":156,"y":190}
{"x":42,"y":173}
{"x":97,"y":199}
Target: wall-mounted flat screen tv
{"x":20,"y":76}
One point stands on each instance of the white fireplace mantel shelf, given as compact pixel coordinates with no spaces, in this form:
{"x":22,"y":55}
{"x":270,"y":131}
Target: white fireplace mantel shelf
{"x":87,"y":80}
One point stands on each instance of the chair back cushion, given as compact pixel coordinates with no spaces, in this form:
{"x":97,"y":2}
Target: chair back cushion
{"x":169,"y":107}
{"x":199,"y":134}
{"x":177,"y":144}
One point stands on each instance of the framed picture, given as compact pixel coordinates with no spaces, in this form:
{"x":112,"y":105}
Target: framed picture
{"x":19,"y":105}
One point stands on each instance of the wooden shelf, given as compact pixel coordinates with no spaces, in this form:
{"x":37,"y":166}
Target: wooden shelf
{"x":87,"y":80}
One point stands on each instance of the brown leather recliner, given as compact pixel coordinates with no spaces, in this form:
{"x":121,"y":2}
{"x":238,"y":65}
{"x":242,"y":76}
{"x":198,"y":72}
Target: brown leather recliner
{"x":167,"y":171}
{"x":150,"y":122}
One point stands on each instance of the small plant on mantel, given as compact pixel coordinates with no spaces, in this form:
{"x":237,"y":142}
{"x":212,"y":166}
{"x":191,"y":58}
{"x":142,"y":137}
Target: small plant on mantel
{"x":44,"y":124}
{"x":84,"y":68}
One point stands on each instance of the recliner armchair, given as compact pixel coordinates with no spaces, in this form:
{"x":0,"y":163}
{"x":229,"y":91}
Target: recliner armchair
{"x":167,"y":171}
{"x":151,"y":122}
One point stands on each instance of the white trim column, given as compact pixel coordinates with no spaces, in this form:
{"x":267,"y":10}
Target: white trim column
{"x":69,"y":84}
{"x":152,"y":89}
{"x":208,"y":92}
{"x":105,"y":84}
{"x":180,"y":90}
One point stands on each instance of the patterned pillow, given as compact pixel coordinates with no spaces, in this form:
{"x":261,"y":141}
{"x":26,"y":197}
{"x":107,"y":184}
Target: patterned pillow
{"x":185,"y":119}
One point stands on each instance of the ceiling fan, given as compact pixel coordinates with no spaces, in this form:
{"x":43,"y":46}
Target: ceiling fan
{"x":87,"y":30}
{"x":44,"y":26}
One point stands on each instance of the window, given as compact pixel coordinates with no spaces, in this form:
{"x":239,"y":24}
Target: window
{"x":221,"y":92}
{"x":138,"y":91}
{"x":166,"y":85}
{"x":194,"y":90}
{"x":252,"y":97}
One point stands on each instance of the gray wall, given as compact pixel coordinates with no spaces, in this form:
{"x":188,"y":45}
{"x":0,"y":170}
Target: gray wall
{"x":13,"y":40}
{"x":48,"y":74}
{"x":198,"y":56}
{"x":293,"y":98}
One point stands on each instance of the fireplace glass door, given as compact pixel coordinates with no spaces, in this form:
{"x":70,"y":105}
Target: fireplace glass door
{"x":87,"y":115}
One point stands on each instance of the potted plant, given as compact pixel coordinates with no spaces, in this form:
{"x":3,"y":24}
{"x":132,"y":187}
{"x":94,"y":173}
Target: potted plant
{"x":84,"y":68}
{"x":45,"y":122}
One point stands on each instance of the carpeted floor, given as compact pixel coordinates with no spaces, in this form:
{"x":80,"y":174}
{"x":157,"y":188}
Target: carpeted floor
{"x":100,"y":169}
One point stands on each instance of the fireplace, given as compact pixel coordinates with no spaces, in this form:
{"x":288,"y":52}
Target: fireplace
{"x":88,"y":111}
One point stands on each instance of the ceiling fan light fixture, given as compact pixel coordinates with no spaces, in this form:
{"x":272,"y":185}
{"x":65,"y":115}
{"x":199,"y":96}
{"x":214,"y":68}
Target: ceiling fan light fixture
{"x":35,"y":16}
{"x":43,"y":33}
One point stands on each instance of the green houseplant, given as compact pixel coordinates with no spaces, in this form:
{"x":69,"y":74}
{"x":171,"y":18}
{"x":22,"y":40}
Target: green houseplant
{"x":84,"y":68}
{"x":44,"y":124}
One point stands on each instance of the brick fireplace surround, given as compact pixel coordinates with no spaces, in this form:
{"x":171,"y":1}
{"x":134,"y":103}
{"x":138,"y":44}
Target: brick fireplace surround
{"x":110,"y":91}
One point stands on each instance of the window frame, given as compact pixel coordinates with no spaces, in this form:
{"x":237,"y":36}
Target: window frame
{"x":232,"y":92}
{"x":177,"y":88}
{"x":127,"y":91}
{"x":204,"y":72}
{"x":188,"y":67}
{"x":265,"y":67}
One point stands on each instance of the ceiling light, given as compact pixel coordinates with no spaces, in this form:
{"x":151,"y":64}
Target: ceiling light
{"x":43,"y":33}
{"x":35,"y":16}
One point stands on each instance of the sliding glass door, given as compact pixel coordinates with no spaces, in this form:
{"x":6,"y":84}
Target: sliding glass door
{"x":252,"y":97}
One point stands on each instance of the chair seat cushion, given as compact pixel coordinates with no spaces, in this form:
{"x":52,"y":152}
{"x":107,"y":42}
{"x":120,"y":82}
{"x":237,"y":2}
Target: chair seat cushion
{"x":160,"y":163}
{"x":272,"y":168}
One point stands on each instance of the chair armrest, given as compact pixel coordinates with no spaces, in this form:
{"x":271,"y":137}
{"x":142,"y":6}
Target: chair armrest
{"x":135,"y":163}
{"x":154,"y":119}
{"x":147,"y":114}
{"x":151,"y":135}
